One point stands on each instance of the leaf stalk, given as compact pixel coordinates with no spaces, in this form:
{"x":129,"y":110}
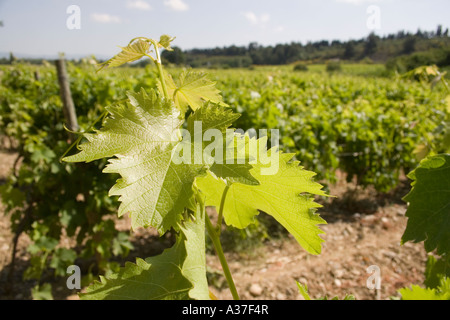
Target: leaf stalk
{"x":158,"y":64}
{"x":218,"y":247}
{"x":222,"y":204}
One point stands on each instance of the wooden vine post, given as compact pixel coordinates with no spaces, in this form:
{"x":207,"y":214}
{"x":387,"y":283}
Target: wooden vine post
{"x":68,"y":106}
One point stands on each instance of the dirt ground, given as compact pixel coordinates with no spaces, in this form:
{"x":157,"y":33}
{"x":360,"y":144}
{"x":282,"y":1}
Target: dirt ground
{"x":364,"y":229}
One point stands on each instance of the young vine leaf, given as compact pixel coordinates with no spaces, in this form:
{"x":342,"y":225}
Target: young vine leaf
{"x":192,"y":89}
{"x":429,"y":204}
{"x":212,"y":116}
{"x":142,"y":134}
{"x":286,"y":196}
{"x":436,"y":269}
{"x":178,"y":273}
{"x":194,"y":267}
{"x":442,"y":292}
{"x":145,"y":280}
{"x":164,"y":42}
{"x":234,"y":164}
{"x":162,"y":180}
{"x":134,"y":51}
{"x":303,"y":290}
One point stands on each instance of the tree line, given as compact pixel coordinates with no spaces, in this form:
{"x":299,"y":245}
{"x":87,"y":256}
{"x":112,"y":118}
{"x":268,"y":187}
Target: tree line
{"x":401,"y":51}
{"x":371,"y":48}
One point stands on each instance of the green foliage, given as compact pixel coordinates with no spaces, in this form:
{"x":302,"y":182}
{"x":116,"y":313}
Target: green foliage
{"x":165,"y":41}
{"x":333,"y":66}
{"x":425,"y":74}
{"x":218,"y":62}
{"x":378,"y":48}
{"x":144,"y":135}
{"x":43,"y":292}
{"x":441,"y":292}
{"x":178,"y":273}
{"x":428,"y":210}
{"x":362,"y":126}
{"x":176,"y":56}
{"x":303,"y":290}
{"x":49,"y":200}
{"x":132,"y":52}
{"x":429,"y":204}
{"x":367,"y":127}
{"x":152,"y":188}
{"x":371,"y":44}
{"x":138,"y":48}
{"x":404,"y":63}
{"x":283,"y":195}
{"x":300,"y":67}
{"x":436,"y":269}
{"x":192,"y":89}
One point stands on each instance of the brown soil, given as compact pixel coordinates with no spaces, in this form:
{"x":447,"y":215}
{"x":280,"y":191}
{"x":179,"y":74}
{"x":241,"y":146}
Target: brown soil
{"x":363,"y":229}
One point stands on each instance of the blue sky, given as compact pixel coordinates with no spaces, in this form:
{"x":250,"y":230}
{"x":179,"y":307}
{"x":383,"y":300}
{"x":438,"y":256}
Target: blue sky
{"x":39,"y":27}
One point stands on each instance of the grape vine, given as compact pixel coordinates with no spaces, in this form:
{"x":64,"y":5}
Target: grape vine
{"x":166,"y":185}
{"x":429,"y":203}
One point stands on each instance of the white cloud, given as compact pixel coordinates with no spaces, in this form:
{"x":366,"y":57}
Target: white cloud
{"x":356,"y":2}
{"x":256,"y":20}
{"x":250,"y":16}
{"x":177,"y":5}
{"x":138,"y":4}
{"x":105,"y":18}
{"x":264,"y":18}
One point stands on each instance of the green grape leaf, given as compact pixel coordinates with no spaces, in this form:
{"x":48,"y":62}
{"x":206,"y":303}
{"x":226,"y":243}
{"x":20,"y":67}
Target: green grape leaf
{"x":429,"y":204}
{"x":346,"y":297}
{"x":442,"y":292}
{"x":303,"y":290}
{"x":134,"y":51}
{"x":234,"y":173}
{"x":178,"y":273}
{"x":165,"y":40}
{"x":418,"y":293}
{"x":210,"y":116}
{"x":194,"y":267}
{"x":142,"y":135}
{"x":193,"y":88}
{"x":42,"y":292}
{"x":284,"y":194}
{"x":436,"y":269}
{"x":144,"y":122}
{"x":155,"y":278}
{"x":235,"y":166}
{"x":210,"y":122}
{"x":212,"y":143}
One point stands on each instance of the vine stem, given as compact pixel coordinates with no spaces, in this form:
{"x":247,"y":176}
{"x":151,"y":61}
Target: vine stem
{"x":158,"y":63}
{"x":81,"y":134}
{"x":163,"y":82}
{"x":222,"y":204}
{"x":218,"y":247}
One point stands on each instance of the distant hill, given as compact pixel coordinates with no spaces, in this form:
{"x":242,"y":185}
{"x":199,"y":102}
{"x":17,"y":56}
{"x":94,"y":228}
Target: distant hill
{"x":402,"y":51}
{"x":35,"y":58}
{"x":372,"y":48}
